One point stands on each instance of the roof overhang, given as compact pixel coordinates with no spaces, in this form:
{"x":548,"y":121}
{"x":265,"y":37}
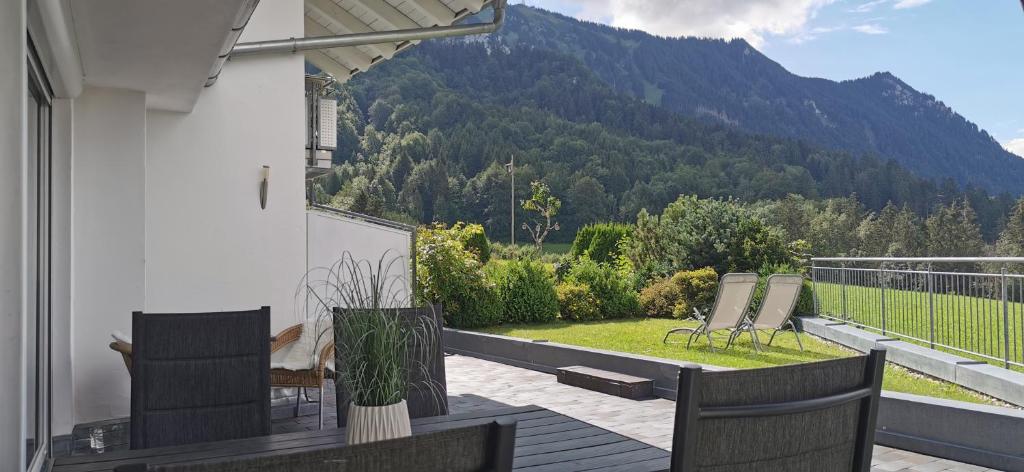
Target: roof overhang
{"x":141,"y":44}
{"x":347,"y":17}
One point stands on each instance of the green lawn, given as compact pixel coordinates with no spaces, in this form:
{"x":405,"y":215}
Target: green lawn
{"x":557,"y":248}
{"x":973,"y":323}
{"x":643,"y":336}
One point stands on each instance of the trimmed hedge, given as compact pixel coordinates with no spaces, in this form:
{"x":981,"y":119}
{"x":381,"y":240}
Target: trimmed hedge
{"x":474,"y":240}
{"x":525,"y":291}
{"x":614,"y":291}
{"x":599,"y":241}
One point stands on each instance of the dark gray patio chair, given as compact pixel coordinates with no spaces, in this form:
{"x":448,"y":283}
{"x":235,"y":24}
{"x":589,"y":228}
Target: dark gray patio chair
{"x":482,"y":448}
{"x":810,"y":417}
{"x":199,"y":377}
{"x":422,"y":401}
{"x":735,"y":291}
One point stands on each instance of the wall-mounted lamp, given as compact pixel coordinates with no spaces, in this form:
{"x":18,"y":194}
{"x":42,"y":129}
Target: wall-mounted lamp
{"x":264,"y":187}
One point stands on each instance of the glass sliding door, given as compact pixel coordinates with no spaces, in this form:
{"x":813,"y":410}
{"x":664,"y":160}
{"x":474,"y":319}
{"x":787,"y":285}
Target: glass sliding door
{"x":37,"y":319}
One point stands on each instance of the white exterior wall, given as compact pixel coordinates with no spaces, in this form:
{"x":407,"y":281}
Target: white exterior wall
{"x":209,"y":246}
{"x":108,"y":243}
{"x":329,"y":236}
{"x":13,"y":88}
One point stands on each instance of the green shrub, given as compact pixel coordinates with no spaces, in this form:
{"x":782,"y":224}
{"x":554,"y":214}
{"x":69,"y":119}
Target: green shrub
{"x":510,"y":252}
{"x":659,"y":299}
{"x":614,"y":290}
{"x":805,"y":304}
{"x":526,"y":291}
{"x":581,"y":243}
{"x":577,"y":302}
{"x":599,"y":241}
{"x":453,"y":276}
{"x":678,"y":295}
{"x":474,"y":240}
{"x":562,"y":266}
{"x":697,"y":288}
{"x":693,"y":233}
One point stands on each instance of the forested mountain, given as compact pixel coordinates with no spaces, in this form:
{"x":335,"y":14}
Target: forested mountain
{"x":733,"y":83}
{"x":425,"y":137}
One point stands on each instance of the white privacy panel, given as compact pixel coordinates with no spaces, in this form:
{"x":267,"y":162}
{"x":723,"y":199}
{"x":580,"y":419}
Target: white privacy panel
{"x":376,"y":248}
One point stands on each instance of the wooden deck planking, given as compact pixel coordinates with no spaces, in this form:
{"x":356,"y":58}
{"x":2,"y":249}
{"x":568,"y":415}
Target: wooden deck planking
{"x":545,"y":440}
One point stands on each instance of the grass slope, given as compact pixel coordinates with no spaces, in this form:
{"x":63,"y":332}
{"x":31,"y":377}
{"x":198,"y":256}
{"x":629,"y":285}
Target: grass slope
{"x":643,"y":336}
{"x":969,"y":322}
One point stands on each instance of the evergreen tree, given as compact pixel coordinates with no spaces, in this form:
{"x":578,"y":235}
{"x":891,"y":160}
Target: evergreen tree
{"x":834,"y":229}
{"x":893,"y":232}
{"x":953,"y":232}
{"x":1011,"y":239}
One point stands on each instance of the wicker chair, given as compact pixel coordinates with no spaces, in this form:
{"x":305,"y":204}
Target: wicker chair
{"x":301,"y":379}
{"x":125,"y":349}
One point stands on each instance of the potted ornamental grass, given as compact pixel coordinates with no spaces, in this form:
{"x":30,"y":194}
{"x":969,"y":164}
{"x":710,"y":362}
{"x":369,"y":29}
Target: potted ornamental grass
{"x":377,"y":350}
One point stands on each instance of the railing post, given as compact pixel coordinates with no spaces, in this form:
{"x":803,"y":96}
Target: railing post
{"x":931,"y":308}
{"x":1006,"y":320}
{"x":842,"y":279}
{"x":814,"y":287}
{"x":881,"y":282}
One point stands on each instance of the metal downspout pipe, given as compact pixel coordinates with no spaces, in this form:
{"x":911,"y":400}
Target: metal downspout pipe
{"x":293,"y":45}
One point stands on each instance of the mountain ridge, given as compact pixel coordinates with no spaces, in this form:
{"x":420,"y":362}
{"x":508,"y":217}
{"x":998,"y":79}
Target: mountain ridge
{"x":427,"y":133}
{"x":732,"y":82}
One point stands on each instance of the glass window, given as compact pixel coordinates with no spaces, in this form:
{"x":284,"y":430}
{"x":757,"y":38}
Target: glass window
{"x":37,"y":372}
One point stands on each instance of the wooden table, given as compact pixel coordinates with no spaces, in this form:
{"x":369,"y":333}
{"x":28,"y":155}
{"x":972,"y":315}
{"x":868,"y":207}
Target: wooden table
{"x":545,"y":441}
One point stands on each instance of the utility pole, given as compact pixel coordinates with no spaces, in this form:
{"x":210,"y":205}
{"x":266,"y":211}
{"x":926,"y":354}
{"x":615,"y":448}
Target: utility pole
{"x":511,"y":168}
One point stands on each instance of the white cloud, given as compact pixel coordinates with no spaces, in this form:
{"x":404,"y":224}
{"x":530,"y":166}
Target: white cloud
{"x":870,"y":28}
{"x":752,"y":20}
{"x":903,"y":4}
{"x":813,"y":33}
{"x":868,"y":6}
{"x":1015,"y":146}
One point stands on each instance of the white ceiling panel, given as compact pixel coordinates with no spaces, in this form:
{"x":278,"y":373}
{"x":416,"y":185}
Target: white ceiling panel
{"x":335,"y":17}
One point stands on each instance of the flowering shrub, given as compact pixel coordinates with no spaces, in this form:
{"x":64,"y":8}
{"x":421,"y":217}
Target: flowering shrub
{"x":453,"y":276}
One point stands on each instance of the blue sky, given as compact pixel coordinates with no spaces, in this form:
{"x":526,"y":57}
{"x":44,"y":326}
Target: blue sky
{"x":967,"y":53}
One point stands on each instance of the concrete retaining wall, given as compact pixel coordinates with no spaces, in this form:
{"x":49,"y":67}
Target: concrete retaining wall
{"x":547,"y":357}
{"x":964,"y":432}
{"x":979,"y":376}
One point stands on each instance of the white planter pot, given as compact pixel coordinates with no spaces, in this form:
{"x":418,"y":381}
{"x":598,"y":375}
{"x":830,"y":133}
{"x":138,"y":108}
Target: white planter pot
{"x":377,"y":423}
